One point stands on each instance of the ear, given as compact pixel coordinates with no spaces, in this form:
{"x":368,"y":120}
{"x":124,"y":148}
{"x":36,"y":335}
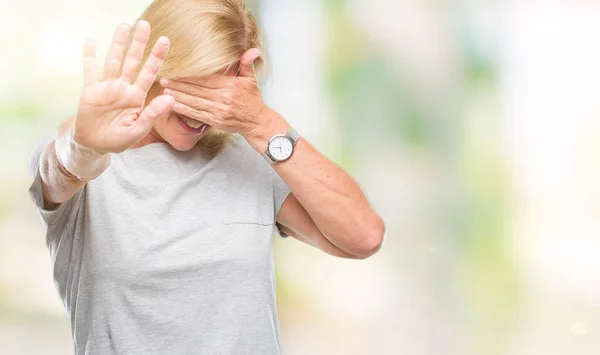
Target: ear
{"x":247,"y":63}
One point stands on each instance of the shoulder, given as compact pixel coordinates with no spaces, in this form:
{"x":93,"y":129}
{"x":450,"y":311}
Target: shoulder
{"x":239,"y":152}
{"x":242,"y":166}
{"x":239,"y":144}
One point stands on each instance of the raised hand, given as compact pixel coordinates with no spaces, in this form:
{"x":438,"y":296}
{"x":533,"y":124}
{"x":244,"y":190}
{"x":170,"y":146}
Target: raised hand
{"x":111,"y":116}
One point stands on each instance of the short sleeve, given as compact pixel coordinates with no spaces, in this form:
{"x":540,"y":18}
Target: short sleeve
{"x":281,"y":191}
{"x":49,"y":217}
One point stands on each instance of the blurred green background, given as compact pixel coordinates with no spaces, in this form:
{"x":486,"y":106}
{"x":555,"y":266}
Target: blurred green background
{"x":471,"y":125}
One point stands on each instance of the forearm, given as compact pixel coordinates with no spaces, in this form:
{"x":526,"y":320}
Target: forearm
{"x":58,"y":185}
{"x":331,"y":197}
{"x":318,"y":241}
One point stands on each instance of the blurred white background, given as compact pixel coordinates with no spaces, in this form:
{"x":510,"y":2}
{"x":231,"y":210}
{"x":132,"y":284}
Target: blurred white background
{"x":473,"y":126}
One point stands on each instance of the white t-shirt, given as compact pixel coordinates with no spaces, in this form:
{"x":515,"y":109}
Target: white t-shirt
{"x":169,"y":252}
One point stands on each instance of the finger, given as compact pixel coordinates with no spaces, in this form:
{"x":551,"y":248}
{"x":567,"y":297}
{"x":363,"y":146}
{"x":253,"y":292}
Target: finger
{"x":90,"y":67}
{"x":153,"y":64}
{"x":114,"y":58}
{"x":247,"y":63}
{"x":195,"y":102}
{"x":213,"y":81}
{"x":136,"y":50}
{"x":157,"y":107}
{"x":190,"y":112}
{"x":190,"y":89}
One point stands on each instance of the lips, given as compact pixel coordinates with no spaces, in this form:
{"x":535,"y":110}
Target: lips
{"x":183,"y":121}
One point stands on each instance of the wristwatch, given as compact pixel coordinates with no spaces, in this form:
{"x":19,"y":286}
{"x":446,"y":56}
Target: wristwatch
{"x":281,"y":147}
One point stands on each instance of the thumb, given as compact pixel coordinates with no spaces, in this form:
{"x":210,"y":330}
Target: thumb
{"x":154,"y":110}
{"x":247,"y":63}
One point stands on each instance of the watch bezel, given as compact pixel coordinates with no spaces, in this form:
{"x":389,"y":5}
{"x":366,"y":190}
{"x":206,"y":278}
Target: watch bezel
{"x":274,"y":138}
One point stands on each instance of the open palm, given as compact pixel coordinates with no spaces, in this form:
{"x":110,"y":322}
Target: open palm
{"x":111,"y":116}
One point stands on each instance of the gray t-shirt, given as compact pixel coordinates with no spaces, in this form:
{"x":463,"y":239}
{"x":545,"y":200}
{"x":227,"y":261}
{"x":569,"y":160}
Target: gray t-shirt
{"x":169,"y":252}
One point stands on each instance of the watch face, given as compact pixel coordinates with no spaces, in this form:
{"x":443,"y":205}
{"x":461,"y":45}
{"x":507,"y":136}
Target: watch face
{"x":281,"y":148}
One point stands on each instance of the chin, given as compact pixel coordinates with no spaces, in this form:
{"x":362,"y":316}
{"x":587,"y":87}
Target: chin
{"x":183,"y":145}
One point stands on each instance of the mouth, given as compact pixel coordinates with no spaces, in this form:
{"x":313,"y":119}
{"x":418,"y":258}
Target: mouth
{"x":190,"y":125}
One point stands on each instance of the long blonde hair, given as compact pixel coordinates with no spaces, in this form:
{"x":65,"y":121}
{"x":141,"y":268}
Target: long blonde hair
{"x":207,"y":37}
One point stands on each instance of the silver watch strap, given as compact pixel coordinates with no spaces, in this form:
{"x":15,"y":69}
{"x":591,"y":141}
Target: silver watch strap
{"x":293,"y":135}
{"x":268,"y":158}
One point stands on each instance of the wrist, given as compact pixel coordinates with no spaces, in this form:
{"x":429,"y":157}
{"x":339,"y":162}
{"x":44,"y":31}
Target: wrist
{"x":82,"y":162}
{"x":272,"y":124}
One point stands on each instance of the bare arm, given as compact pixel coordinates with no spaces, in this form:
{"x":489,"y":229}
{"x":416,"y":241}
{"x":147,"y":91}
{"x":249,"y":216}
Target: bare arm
{"x":327,"y":206}
{"x":304,"y":229}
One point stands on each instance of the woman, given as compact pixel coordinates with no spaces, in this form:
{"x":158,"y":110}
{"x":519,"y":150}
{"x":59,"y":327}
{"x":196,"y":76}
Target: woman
{"x":158,"y":206}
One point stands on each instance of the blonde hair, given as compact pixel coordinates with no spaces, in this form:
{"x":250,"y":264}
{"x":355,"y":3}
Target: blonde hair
{"x":207,"y":37}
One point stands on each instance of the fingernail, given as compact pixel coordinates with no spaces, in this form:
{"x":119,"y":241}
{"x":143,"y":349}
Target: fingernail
{"x":164,"y":82}
{"x":168,"y":92}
